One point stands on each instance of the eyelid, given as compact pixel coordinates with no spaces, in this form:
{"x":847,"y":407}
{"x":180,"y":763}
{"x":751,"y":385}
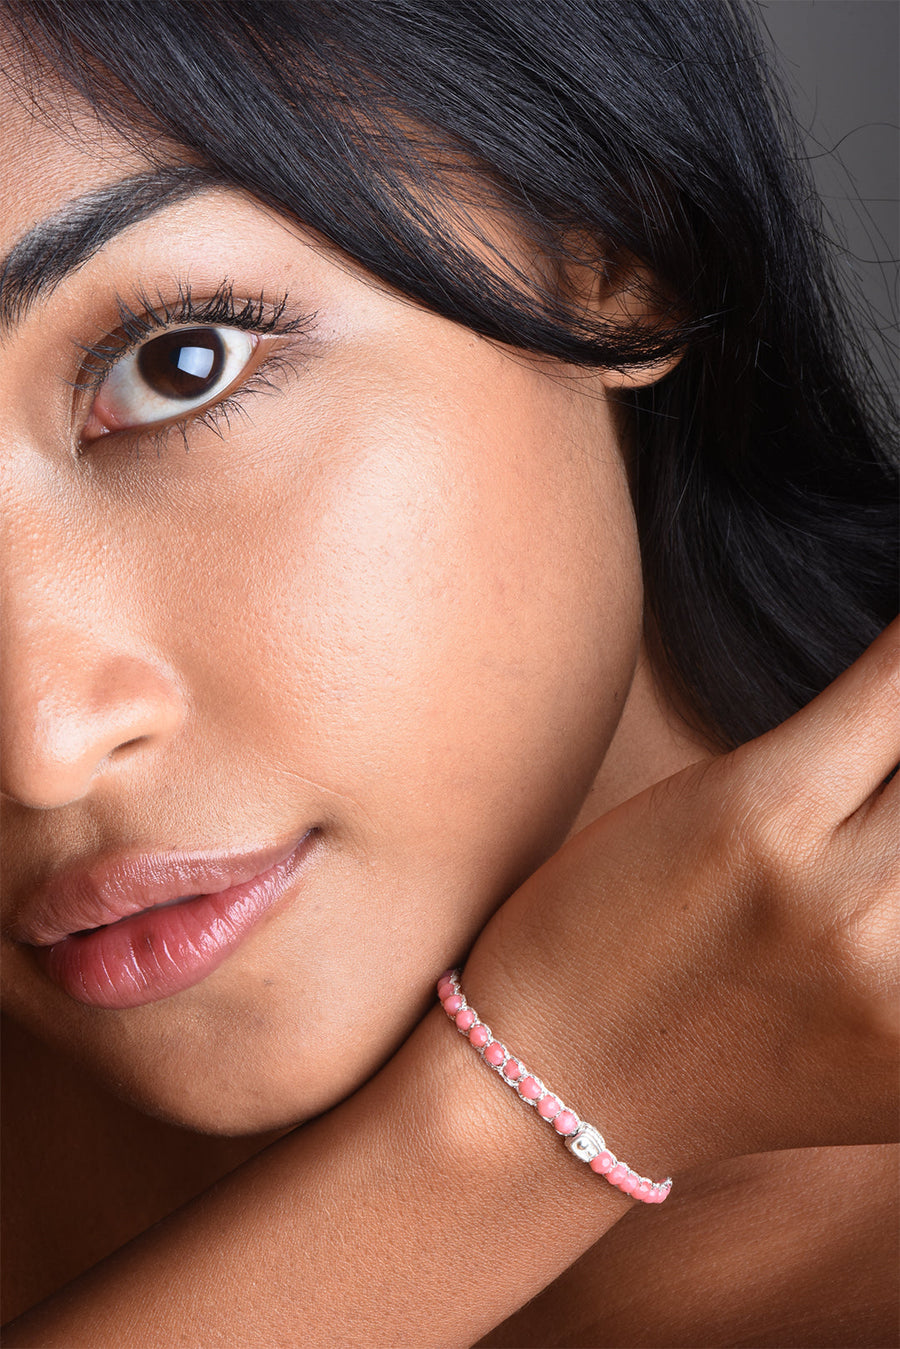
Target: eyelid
{"x":221,"y":308}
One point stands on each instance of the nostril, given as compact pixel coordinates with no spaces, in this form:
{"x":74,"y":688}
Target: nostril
{"x":127,"y":747}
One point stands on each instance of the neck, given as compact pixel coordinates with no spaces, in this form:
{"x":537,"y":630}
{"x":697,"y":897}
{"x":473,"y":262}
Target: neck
{"x":651,"y":743}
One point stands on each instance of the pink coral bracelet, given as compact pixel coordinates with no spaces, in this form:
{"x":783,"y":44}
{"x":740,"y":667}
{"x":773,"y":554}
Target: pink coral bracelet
{"x":583,"y":1140}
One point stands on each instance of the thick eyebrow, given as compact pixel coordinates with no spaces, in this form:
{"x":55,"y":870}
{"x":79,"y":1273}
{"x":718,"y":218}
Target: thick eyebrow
{"x":40,"y":260}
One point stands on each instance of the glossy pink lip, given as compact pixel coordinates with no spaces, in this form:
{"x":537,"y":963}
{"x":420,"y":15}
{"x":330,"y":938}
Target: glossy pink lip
{"x":100,"y":937}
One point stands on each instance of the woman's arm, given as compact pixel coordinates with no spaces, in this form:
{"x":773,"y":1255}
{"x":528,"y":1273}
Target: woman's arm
{"x":704,"y":971}
{"x":421,"y":1211}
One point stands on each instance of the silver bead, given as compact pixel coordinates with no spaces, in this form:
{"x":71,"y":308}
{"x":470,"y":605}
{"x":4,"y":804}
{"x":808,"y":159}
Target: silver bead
{"x":588,"y":1142}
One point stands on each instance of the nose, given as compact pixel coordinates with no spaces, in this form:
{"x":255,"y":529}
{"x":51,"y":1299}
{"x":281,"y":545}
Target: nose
{"x":80,"y":691}
{"x":68,"y":718}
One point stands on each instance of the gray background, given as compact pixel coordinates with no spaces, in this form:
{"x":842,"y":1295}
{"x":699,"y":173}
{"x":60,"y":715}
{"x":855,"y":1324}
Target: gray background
{"x":840,"y":62}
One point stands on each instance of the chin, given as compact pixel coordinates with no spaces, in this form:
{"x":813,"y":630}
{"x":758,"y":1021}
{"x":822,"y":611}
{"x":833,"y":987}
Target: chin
{"x":227,"y":1058}
{"x":222,"y":1118}
{"x":194,"y":1072}
{"x":216,"y":1104}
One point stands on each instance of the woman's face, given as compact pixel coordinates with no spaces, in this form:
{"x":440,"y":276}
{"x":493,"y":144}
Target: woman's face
{"x":389,"y":607}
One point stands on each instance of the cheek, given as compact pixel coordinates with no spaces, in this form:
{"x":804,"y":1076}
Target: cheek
{"x":440,"y":603}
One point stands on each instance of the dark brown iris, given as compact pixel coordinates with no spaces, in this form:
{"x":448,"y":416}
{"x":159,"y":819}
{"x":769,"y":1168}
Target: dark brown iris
{"x":184,"y":364}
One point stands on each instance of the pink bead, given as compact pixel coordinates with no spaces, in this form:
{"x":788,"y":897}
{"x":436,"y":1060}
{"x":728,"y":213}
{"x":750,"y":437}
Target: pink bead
{"x":479,"y":1036}
{"x":663,"y":1193}
{"x":565,"y":1122}
{"x":446,"y":975}
{"x":495,"y":1053}
{"x":629,"y":1182}
{"x":465,"y":1019}
{"x":643,"y":1191}
{"x":602,"y":1163}
{"x":617,"y":1173}
{"x":548,"y":1106}
{"x":512,"y":1070}
{"x":445,"y":989}
{"x":530,"y":1088}
{"x":452,"y":1004}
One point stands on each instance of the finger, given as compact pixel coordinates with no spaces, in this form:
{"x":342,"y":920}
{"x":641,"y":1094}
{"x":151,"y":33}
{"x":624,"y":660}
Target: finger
{"x":848,"y":738}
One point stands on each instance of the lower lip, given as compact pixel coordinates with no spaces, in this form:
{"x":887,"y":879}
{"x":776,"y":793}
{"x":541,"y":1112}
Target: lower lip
{"x":158,"y":952}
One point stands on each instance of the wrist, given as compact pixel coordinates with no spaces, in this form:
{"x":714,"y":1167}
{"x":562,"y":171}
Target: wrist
{"x":583,"y":1139}
{"x":598,"y":1039}
{"x":500,"y":1173}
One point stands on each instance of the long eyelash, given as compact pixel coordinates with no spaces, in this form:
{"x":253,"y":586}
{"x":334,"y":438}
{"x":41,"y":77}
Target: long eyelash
{"x":218,"y":417}
{"x":221,"y":309}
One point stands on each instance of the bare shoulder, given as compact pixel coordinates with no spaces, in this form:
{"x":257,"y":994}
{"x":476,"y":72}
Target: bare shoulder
{"x":781,"y":1250}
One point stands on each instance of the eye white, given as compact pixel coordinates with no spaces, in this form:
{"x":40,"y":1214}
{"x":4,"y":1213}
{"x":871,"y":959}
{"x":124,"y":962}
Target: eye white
{"x":173,"y":372}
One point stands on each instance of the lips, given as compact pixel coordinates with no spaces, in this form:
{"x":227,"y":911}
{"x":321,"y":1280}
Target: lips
{"x":140,"y":928}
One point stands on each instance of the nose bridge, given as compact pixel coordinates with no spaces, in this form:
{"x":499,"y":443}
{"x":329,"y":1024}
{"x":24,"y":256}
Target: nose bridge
{"x":79,"y":688}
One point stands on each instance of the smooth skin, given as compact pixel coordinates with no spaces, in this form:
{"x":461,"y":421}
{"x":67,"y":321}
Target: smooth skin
{"x":402,"y":603}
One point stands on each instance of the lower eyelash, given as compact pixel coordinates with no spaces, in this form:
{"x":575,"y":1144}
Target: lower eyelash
{"x":264,"y":380}
{"x":260,"y":382}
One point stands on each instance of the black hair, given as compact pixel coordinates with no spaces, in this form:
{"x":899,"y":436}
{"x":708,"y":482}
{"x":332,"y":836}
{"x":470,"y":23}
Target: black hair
{"x":643,"y":138}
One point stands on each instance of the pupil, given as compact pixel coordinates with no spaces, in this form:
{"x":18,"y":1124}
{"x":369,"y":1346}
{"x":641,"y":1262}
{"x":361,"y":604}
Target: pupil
{"x":185,"y":364}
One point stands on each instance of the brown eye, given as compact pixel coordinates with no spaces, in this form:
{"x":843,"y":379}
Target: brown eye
{"x":170,"y":375}
{"x":183,"y":364}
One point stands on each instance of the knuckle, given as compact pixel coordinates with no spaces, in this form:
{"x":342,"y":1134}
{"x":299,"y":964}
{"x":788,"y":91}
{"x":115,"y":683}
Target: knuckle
{"x":871,"y":931}
{"x":863,"y":947}
{"x":775,"y":825}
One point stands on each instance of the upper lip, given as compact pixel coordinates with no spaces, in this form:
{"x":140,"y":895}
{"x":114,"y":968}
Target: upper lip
{"x":109,"y":889}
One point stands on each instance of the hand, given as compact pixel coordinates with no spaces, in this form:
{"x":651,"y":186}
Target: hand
{"x":711,"y":968}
